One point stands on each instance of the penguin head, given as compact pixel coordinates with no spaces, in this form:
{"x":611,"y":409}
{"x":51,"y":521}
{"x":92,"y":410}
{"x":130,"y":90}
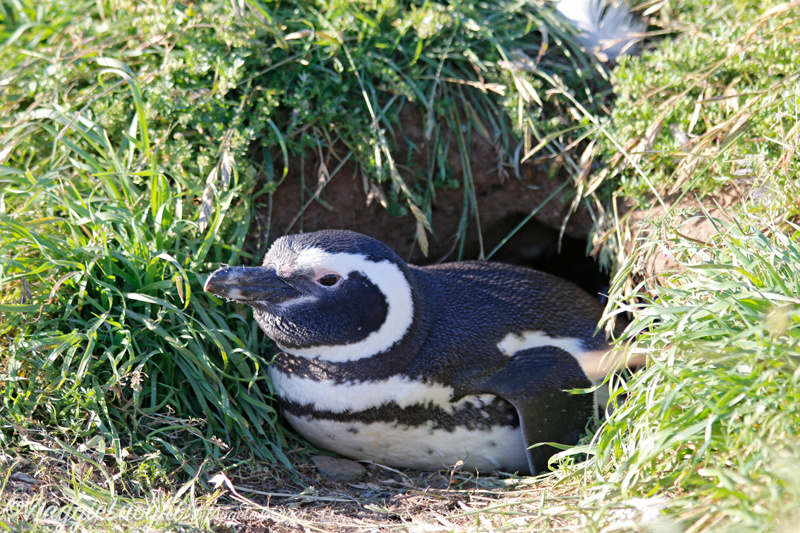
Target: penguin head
{"x":334,"y":295}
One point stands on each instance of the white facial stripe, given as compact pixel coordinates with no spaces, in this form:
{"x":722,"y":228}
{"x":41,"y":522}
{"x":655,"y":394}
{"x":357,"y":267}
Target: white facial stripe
{"x":514,"y":343}
{"x":418,"y":447}
{"x":354,"y":397}
{"x":388,"y":278}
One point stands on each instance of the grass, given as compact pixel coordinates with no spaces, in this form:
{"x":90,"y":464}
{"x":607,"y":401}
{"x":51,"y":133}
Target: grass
{"x":712,"y":423}
{"x":281,"y":81}
{"x":110,"y":348}
{"x":713,"y":106}
{"x":708,"y":432}
{"x":135,"y":139}
{"x":105,"y":320}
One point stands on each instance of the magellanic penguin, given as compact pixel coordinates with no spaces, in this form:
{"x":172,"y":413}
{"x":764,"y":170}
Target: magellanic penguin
{"x":421,"y":367}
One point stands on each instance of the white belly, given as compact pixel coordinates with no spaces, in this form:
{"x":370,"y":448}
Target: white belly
{"x":421,"y":447}
{"x":418,"y":447}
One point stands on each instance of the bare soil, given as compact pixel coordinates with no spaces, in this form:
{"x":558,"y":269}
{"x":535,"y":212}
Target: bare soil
{"x":259,"y":497}
{"x":391,"y":500}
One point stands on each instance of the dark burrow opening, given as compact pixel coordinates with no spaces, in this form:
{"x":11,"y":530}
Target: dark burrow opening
{"x":543,"y":248}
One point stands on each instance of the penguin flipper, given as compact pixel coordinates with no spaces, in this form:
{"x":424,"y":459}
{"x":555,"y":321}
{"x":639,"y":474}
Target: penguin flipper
{"x":534,"y":381}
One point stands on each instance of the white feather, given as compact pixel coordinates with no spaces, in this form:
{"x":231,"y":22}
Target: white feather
{"x":606,"y":27}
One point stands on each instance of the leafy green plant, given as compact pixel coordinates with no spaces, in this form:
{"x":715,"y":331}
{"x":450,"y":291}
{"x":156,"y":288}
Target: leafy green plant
{"x":716,"y":106}
{"x":111,"y":344}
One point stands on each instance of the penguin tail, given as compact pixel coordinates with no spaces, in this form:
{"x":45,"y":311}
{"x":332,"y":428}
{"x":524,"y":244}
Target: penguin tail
{"x":606,"y":28}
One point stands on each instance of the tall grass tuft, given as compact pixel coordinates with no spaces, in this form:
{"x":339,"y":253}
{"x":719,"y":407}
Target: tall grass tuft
{"x":110,"y":348}
{"x":713,"y":422}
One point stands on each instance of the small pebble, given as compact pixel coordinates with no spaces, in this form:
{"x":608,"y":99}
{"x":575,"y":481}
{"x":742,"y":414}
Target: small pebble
{"x":341,"y":470}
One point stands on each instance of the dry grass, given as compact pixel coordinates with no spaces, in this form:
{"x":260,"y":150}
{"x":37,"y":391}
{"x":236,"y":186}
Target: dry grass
{"x":260,"y":497}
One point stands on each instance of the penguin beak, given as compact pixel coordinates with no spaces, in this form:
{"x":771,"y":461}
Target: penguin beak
{"x":248,"y":284}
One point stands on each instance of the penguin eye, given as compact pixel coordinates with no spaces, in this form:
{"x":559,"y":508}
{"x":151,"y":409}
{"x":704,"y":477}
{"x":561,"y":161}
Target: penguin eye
{"x":328,"y":280}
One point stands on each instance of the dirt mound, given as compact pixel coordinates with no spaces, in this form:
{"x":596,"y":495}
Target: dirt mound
{"x":350,"y":201}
